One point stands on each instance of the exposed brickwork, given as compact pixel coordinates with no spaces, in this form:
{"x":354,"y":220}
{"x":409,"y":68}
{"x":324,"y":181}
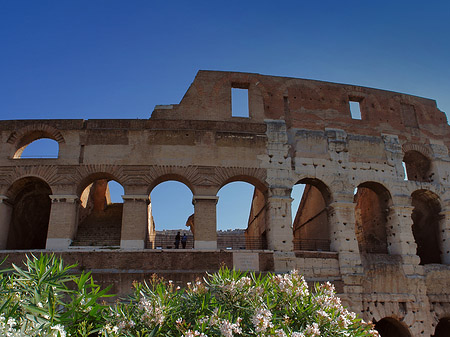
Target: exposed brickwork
{"x":297,"y":131}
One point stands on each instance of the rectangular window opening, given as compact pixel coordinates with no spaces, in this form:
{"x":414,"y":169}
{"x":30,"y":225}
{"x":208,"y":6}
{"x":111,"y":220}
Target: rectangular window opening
{"x":355,"y":109}
{"x":409,"y":115}
{"x":239,"y":103}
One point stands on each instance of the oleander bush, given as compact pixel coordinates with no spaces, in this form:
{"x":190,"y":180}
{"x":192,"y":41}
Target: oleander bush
{"x":45,"y":299}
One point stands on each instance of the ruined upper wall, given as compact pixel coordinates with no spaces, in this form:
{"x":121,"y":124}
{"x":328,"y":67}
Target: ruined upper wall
{"x":308,"y":104}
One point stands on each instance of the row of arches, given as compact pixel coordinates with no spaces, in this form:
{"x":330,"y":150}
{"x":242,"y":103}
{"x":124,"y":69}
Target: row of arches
{"x":391,"y":327}
{"x":374,"y":218}
{"x":100,"y":210}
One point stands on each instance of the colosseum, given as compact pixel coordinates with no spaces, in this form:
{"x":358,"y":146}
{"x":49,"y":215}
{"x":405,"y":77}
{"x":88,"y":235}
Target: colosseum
{"x":374,"y":218}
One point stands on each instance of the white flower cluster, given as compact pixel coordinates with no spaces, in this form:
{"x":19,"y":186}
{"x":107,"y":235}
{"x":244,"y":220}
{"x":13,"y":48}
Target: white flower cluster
{"x":292,"y":284}
{"x":195,"y":333}
{"x":262,"y":320}
{"x":13,"y":328}
{"x":227,"y":328}
{"x":312,"y":330}
{"x":234,"y":287}
{"x":153,"y":311}
{"x":110,"y":329}
{"x":58,"y":329}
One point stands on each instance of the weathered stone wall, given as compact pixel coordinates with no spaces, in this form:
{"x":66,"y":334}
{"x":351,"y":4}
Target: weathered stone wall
{"x":297,"y":131}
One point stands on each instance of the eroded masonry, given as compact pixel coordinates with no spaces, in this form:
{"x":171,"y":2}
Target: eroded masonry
{"x":374,"y":218}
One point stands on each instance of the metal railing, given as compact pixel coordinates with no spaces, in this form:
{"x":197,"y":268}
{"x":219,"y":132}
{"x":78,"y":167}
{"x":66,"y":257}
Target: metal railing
{"x":241,"y":242}
{"x":165,"y":241}
{"x":224,"y":241}
{"x":312,"y":245}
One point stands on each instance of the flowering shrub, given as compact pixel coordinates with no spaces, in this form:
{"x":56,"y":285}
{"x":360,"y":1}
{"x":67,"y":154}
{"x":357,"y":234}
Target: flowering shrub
{"x":230,"y":303}
{"x":36,"y":301}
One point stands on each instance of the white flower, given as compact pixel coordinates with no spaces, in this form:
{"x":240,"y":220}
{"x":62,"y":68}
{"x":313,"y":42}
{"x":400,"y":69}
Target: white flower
{"x":59,"y":328}
{"x":227,"y":328}
{"x":191,"y":333}
{"x":280,"y":333}
{"x":313,"y":330}
{"x":11,"y":322}
{"x":298,"y":334}
{"x":262,"y":320}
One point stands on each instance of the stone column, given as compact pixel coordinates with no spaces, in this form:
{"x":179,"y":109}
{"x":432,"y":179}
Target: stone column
{"x":278,"y":220}
{"x":343,"y":241}
{"x":134,"y":221}
{"x":400,"y":237}
{"x":343,"y":237}
{"x":444,"y":230}
{"x":63,"y":221}
{"x":205,"y":233}
{"x":5,"y":220}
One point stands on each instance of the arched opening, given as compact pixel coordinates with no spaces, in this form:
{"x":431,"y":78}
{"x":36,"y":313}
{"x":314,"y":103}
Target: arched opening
{"x":171,"y":216}
{"x":443,"y":328}
{"x":38,"y":148}
{"x":417,"y":166}
{"x":31,"y":206}
{"x":390,"y":327}
{"x":100,"y":214}
{"x":310,"y":222}
{"x":426,"y":217}
{"x":241,"y":216}
{"x":373,"y":203}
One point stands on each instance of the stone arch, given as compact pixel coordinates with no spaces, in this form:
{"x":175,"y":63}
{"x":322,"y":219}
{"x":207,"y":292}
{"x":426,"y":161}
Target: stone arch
{"x":373,"y":202}
{"x":99,"y":221}
{"x":417,"y":161}
{"x":426,"y":225}
{"x":442,"y":328}
{"x":30,"y":201}
{"x":311,"y":228}
{"x":48,"y":173}
{"x":421,"y":148}
{"x":170,"y":176}
{"x":251,"y":179}
{"x":255,"y":234}
{"x":89,"y":178}
{"x":164,"y":237}
{"x":390,"y":327}
{"x":24,"y":136}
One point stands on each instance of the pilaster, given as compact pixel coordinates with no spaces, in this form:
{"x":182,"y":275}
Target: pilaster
{"x":205,"y":234}
{"x":278,"y":220}
{"x":401,"y":239}
{"x":63,"y":221}
{"x":5,"y":220}
{"x":343,"y":237}
{"x":134,"y":221}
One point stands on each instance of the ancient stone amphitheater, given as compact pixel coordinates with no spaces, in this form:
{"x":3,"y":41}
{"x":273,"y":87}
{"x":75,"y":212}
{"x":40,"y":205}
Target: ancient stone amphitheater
{"x":374,"y":218}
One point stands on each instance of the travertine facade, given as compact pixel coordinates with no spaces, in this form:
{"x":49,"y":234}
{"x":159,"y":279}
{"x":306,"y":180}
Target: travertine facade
{"x":384,"y":239}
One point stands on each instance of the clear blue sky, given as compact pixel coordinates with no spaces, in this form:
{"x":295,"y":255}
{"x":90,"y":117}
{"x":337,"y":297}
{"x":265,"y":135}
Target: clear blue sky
{"x":118,"y":59}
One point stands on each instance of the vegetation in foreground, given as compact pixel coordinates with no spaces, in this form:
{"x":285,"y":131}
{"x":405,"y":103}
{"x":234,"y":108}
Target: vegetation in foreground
{"x":44,"y":298}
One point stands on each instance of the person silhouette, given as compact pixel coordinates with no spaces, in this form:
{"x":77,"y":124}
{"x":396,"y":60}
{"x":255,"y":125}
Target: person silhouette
{"x":184,"y":241}
{"x":177,"y":240}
